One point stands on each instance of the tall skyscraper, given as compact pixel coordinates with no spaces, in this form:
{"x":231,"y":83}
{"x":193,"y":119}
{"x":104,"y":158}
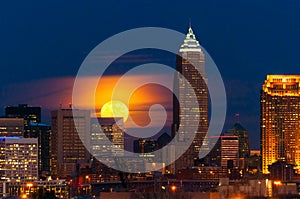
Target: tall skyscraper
{"x":280,"y":120}
{"x":190,"y":60}
{"x":18,"y":159}
{"x":67,"y":150}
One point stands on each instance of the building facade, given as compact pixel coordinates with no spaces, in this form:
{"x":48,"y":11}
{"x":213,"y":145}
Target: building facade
{"x":43,"y":133}
{"x":68,"y":153}
{"x":113,"y":129}
{"x":280,"y":116}
{"x":28,"y":113}
{"x":225,"y":152}
{"x":10,"y":127}
{"x":229,"y":150}
{"x":190,"y":61}
{"x":18,"y":159}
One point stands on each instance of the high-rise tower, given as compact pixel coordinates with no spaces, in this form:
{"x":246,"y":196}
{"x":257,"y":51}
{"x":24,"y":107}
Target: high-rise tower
{"x":68,"y":153}
{"x":190,"y":61}
{"x":280,"y":120}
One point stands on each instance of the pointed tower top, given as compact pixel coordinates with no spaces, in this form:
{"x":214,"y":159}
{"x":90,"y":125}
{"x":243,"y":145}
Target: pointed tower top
{"x":190,"y":42}
{"x":191,"y":31}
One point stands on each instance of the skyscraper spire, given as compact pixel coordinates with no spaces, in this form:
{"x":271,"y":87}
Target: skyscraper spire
{"x":190,"y":42}
{"x":237,"y":117}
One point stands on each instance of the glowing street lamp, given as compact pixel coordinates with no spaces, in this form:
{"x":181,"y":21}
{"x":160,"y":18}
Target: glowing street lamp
{"x":277,"y":182}
{"x":29,"y":185}
{"x":87,"y":178}
{"x":173,"y":188}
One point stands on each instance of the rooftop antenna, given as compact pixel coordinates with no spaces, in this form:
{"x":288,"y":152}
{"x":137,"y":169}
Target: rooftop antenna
{"x":237,"y":116}
{"x":190,"y":22}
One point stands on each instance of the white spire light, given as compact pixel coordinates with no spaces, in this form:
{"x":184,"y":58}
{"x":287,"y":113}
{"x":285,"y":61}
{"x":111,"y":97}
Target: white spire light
{"x":190,"y":43}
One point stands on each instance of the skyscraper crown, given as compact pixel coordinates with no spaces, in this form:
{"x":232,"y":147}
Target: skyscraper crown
{"x":282,"y":85}
{"x":190,"y":43}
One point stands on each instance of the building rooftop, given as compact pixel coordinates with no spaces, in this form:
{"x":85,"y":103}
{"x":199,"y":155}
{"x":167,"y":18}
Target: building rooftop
{"x":238,"y":127}
{"x":190,"y":43}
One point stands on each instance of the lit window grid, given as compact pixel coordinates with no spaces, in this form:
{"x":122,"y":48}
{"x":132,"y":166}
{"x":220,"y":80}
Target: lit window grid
{"x":280,"y":100}
{"x":19,"y":160}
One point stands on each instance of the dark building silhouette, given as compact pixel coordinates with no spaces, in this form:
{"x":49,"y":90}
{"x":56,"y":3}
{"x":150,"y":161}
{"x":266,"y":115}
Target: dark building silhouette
{"x":163,"y":140}
{"x":145,"y":145}
{"x":253,"y":163}
{"x":281,"y":171}
{"x":28,"y":113}
{"x":43,"y":133}
{"x":244,"y":143}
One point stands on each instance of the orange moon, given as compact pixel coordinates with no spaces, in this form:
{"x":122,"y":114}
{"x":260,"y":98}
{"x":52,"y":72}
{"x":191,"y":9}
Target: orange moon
{"x":115,"y":108}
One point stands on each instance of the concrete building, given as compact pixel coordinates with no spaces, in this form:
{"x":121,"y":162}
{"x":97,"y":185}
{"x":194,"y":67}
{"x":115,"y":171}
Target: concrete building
{"x":112,"y":128}
{"x":229,"y":150}
{"x":11,"y":127}
{"x":18,"y":159}
{"x":68,"y":153}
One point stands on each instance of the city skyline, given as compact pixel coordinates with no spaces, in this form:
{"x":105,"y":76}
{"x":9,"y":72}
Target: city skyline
{"x":43,"y":52}
{"x":150,"y":99}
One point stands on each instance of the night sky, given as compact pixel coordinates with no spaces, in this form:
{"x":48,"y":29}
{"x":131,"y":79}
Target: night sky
{"x":43,"y":41}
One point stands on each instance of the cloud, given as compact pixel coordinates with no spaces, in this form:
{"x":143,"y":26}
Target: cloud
{"x":54,"y":93}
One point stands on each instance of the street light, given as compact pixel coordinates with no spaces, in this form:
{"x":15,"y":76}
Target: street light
{"x":87,"y":179}
{"x":29,"y":185}
{"x":173,"y":188}
{"x":277,"y":184}
{"x":259,"y":182}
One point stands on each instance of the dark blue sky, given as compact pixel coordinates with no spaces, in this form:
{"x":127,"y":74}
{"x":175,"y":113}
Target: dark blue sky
{"x":247,"y":40}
